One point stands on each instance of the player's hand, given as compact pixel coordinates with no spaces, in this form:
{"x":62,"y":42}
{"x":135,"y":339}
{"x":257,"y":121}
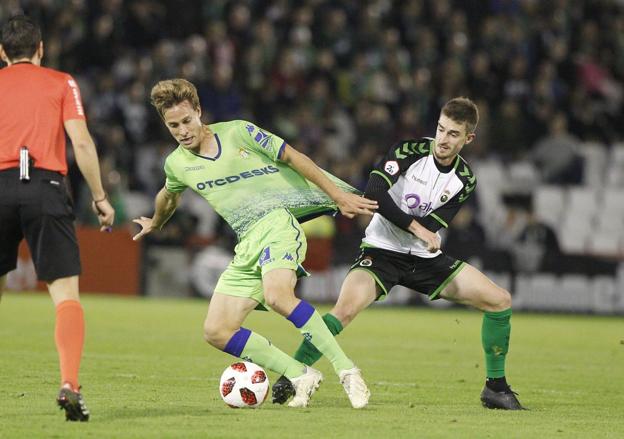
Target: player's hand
{"x":431,"y":240}
{"x":146,"y":227}
{"x":352,"y":204}
{"x":105,"y":214}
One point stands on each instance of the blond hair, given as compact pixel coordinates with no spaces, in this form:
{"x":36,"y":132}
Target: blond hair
{"x":168,"y":93}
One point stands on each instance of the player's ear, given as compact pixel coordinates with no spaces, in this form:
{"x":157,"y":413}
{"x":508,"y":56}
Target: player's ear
{"x":3,"y":55}
{"x":470,"y":137}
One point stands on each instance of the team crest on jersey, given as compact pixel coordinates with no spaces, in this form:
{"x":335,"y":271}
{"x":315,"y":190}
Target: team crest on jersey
{"x":243,"y":153}
{"x":391,"y":167}
{"x":366,"y":262}
{"x":265,"y":257}
{"x":445,"y":196}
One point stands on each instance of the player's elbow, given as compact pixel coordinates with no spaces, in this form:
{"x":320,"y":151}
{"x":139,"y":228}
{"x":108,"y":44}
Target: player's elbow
{"x":83,"y":145}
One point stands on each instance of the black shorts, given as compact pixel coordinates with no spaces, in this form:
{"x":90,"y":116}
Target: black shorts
{"x":41,"y":211}
{"x":425,"y":275}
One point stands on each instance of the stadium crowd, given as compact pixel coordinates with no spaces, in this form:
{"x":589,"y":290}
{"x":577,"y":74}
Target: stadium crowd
{"x":341,"y":80}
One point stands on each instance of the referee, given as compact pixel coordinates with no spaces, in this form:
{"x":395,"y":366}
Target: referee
{"x":37,"y":107}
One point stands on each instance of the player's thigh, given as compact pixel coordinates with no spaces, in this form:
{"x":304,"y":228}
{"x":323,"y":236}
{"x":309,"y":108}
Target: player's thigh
{"x":226,"y":314}
{"x":472,"y":287}
{"x":279,"y":290}
{"x":358,"y":291}
{"x":63,"y":289}
{"x":281,"y":279}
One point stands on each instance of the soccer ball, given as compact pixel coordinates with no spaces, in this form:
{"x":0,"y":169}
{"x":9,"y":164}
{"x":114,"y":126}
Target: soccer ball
{"x":244,"y":384}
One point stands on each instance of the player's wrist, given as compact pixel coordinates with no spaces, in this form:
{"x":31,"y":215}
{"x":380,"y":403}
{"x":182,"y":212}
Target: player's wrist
{"x":101,"y":197}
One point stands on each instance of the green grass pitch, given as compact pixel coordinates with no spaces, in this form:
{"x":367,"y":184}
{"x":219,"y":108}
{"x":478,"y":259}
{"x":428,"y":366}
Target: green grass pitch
{"x":146,"y":372}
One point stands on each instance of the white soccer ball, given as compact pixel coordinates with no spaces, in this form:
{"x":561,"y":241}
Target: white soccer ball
{"x":244,"y":384}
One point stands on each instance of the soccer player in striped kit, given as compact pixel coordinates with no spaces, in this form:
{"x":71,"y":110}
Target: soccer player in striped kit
{"x":420,"y":185}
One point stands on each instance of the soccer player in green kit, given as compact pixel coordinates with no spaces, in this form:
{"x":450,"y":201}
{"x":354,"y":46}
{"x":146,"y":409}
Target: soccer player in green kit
{"x":263,"y":188}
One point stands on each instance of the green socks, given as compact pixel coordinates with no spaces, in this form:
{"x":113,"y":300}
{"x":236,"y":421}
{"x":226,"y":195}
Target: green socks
{"x":307,"y":353}
{"x":495,"y":333}
{"x":314,"y":330}
{"x":250,"y":346}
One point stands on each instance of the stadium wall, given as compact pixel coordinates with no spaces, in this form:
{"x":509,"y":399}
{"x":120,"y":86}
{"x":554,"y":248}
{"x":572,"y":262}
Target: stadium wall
{"x":111,"y":263}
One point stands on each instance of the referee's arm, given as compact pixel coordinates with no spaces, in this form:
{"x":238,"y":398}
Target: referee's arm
{"x":87,"y":160}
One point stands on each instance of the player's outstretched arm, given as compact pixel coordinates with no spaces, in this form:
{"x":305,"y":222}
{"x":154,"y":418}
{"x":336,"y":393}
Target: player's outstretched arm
{"x":348,"y":203}
{"x":165,"y":204}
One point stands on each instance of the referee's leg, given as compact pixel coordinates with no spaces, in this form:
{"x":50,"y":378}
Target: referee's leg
{"x":64,"y":289}
{"x":70,"y":328}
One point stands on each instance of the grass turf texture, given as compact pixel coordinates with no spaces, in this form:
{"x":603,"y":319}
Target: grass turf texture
{"x":147,"y":373}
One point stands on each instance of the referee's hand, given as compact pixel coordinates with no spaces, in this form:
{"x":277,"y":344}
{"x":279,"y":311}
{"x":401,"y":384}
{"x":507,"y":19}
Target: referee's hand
{"x":105,"y":214}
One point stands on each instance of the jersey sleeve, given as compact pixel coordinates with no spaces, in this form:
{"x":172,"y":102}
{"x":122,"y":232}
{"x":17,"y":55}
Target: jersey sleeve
{"x":376,"y":189}
{"x":72,"y":101}
{"x":400,"y":157}
{"x":443,"y":215}
{"x":173,"y":183}
{"x":261,"y":141}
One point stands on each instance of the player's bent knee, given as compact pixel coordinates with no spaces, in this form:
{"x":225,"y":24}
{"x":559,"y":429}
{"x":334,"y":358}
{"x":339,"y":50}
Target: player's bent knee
{"x":501,"y":301}
{"x":280,"y":300}
{"x":216,"y":336}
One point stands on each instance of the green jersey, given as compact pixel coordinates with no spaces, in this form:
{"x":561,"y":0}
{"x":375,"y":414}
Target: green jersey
{"x":246,"y":180}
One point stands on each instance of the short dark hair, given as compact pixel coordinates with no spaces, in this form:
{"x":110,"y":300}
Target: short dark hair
{"x":20,"y":37}
{"x":462,"y":110}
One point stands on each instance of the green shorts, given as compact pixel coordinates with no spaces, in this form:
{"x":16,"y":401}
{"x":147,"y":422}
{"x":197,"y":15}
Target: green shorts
{"x":275,"y":241}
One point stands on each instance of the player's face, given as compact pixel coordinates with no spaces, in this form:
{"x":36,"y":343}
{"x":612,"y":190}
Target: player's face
{"x":450,"y":138}
{"x":184,"y":124}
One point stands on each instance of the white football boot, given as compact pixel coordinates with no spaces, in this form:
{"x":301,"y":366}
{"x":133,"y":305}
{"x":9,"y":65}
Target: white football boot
{"x":354,"y":385}
{"x":305,"y":385}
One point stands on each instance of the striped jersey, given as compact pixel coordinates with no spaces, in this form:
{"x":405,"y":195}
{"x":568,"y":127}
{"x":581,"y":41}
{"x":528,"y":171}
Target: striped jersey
{"x":421,"y":187}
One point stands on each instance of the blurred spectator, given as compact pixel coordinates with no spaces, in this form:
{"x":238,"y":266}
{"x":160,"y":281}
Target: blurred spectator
{"x":536,"y":247}
{"x":342,"y":78}
{"x":221,"y":100}
{"x":557,"y":155}
{"x":465,"y":237}
{"x":510,"y":131}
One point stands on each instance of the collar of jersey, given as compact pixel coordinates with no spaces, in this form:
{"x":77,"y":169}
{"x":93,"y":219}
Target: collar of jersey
{"x":211,"y":158}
